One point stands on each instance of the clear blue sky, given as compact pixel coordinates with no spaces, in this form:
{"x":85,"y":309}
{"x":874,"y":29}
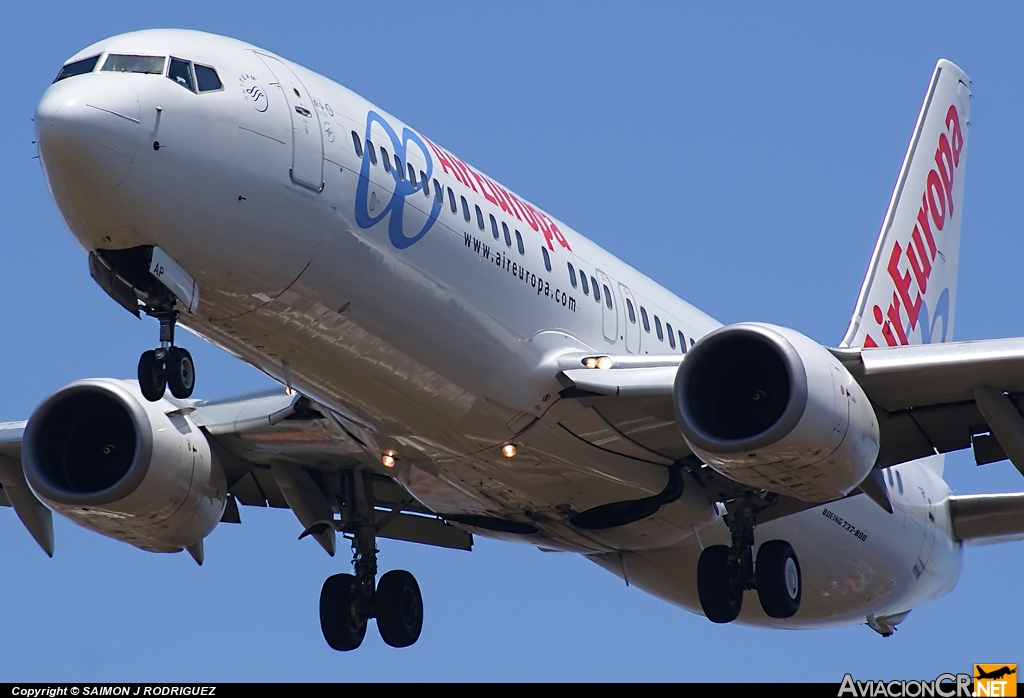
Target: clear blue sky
{"x":742,"y":155}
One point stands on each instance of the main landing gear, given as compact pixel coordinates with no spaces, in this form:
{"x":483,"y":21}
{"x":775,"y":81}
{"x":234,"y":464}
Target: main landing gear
{"x":725,"y":572}
{"x":168,"y":366}
{"x":348,"y":601}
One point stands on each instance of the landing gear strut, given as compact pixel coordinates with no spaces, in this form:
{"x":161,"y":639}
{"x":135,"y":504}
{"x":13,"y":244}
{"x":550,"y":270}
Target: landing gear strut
{"x":725,"y":572}
{"x":348,"y":601}
{"x":168,"y":366}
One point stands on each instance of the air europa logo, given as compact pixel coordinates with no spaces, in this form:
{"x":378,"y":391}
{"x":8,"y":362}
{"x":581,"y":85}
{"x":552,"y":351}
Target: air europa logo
{"x":921,"y":252}
{"x":369,"y":210}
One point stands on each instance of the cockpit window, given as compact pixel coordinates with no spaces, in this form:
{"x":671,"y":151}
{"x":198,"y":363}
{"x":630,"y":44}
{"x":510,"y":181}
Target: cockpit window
{"x":86,"y":65}
{"x":181,"y":72}
{"x":207,"y":79}
{"x":123,"y":63}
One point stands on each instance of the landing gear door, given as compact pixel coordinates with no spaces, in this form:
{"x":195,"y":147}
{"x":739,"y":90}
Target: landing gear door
{"x":307,"y":140}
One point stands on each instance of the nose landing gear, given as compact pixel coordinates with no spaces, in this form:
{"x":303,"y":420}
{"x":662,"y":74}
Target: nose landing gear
{"x":725,"y":572}
{"x":168,"y":366}
{"x":348,"y":601}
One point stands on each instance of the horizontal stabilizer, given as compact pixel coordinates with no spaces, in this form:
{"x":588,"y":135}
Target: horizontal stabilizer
{"x":980,"y":519}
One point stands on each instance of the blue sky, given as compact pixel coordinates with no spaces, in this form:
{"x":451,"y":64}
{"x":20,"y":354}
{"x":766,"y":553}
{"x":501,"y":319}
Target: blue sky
{"x":740,"y":154}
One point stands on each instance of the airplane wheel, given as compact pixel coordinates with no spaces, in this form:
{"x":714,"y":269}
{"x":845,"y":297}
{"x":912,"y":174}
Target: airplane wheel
{"x":340,"y":621}
{"x":181,"y":373}
{"x":399,"y":608}
{"x":777,"y":575}
{"x":152,"y":380}
{"x":720,"y":597}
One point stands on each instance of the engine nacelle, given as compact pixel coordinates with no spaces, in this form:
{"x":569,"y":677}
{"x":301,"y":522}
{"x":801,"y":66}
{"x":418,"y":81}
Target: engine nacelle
{"x":115,"y":463}
{"x":770,"y":408}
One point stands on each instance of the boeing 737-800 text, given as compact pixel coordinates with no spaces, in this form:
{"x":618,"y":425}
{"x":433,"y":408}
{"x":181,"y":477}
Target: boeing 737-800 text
{"x":455,"y":361}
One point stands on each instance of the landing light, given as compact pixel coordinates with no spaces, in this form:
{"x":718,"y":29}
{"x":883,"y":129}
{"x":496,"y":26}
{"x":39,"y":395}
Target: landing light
{"x":387,"y":459}
{"x":602,"y":362}
{"x":509,"y":450}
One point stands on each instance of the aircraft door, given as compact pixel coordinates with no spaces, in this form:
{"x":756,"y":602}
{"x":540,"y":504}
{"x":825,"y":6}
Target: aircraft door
{"x":632,"y":322}
{"x":307,"y":140}
{"x":610,"y":318}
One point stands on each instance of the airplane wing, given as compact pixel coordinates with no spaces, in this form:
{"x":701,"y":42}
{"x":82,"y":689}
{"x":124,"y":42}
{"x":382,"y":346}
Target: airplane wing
{"x":277,"y":450}
{"x":929,"y":399}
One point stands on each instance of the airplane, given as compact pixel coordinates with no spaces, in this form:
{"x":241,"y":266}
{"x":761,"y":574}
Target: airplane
{"x":995,"y":674}
{"x":456,"y":362}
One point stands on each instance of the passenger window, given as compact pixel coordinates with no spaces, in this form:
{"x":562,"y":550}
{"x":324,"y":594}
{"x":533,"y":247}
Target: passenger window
{"x":671,"y":336}
{"x":399,"y":170}
{"x":682,"y":341}
{"x":465,"y":208}
{"x":426,"y":184}
{"x":86,"y":65}
{"x":899,"y":481}
{"x":357,"y":143}
{"x":547,"y":257}
{"x":657,"y":329}
{"x":646,"y":321}
{"x":630,"y":311}
{"x":451,"y":201}
{"x":207,"y":79}
{"x":692,"y":341}
{"x":597,"y":290}
{"x":479,"y":218}
{"x":572,"y":274}
{"x":385,"y":159}
{"x":494,"y":226}
{"x":889,"y":471}
{"x":508,"y":237}
{"x":181,"y":72}
{"x":371,"y":152}
{"x":119,"y":63}
{"x":412,"y":174}
{"x":586,"y":285}
{"x":607,"y":297}
{"x":439,"y":191}
{"x":519,"y":243}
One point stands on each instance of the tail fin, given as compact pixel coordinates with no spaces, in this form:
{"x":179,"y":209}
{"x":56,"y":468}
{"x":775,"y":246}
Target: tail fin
{"x":909,"y":292}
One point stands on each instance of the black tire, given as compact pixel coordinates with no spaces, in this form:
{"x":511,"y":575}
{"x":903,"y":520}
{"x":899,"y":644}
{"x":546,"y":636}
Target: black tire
{"x":181,"y":373}
{"x":340,"y":621}
{"x":777,"y":575}
{"x":720,"y":596}
{"x":152,"y":382}
{"x":399,"y":608}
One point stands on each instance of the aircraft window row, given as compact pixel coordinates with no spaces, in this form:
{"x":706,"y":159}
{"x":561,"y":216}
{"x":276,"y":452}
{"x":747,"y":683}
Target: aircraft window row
{"x":86,"y":65}
{"x":439,"y":193}
{"x":193,"y":77}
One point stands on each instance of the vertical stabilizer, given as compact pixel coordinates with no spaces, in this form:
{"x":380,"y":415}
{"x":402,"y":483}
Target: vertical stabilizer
{"x":909,"y":293}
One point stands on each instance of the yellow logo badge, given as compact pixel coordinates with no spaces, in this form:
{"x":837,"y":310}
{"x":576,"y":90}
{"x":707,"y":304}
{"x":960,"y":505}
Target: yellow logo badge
{"x":995,"y":680}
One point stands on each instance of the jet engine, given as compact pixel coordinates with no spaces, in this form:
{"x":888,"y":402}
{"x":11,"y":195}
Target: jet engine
{"x":770,"y":408}
{"x":137,"y":471}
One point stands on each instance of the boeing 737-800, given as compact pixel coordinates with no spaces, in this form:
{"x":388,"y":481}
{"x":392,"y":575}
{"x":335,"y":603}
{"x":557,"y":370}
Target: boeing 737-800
{"x":454,"y":361}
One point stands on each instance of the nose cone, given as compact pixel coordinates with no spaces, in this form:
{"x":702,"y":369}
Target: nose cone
{"x":87,"y":128}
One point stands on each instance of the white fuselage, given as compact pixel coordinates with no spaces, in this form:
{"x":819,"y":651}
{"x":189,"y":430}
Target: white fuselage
{"x":426,"y":326}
